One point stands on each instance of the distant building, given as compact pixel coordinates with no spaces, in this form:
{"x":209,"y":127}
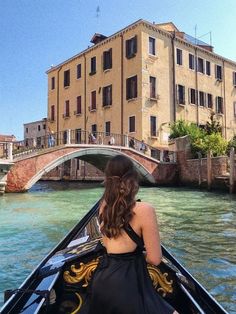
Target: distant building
{"x":138,"y":80}
{"x":3,"y":144}
{"x":35,"y":133}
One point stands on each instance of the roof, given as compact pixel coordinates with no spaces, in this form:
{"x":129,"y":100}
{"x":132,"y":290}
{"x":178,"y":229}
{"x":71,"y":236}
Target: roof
{"x":97,"y":38}
{"x":167,"y":28}
{"x":7,"y":138}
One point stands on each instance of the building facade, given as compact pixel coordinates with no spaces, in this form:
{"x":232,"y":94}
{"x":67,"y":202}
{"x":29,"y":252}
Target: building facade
{"x":4,"y":140}
{"x":138,"y":80}
{"x":35,"y":133}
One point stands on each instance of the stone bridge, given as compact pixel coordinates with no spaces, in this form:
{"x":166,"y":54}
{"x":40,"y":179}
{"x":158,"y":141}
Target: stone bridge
{"x":28,"y":169}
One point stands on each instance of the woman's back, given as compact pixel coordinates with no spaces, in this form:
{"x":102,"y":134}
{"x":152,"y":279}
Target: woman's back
{"x":144,"y":224}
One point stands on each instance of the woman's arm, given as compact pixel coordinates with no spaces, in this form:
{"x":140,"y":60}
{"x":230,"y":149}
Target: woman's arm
{"x":150,"y":233}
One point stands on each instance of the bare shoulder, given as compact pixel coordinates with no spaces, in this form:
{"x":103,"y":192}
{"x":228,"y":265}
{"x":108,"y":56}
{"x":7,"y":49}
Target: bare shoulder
{"x":144,"y":210}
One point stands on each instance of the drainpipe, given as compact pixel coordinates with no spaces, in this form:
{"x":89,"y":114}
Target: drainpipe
{"x":58,"y":103}
{"x":85,"y":101}
{"x":224,"y":102}
{"x":174,"y":76}
{"x":122,"y":89}
{"x":196,"y":83}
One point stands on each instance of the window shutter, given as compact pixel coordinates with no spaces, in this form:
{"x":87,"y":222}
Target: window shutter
{"x":104,"y":60}
{"x":110,"y":60}
{"x":127,"y":89}
{"x":135,"y":43}
{"x":110,"y":95}
{"x":127,"y":48}
{"x":177,"y":94}
{"x":135,"y":87}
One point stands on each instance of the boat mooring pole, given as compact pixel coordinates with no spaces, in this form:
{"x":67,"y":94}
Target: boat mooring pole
{"x":231,"y":171}
{"x":209,"y":170}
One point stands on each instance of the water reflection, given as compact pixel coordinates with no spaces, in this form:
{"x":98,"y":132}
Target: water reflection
{"x":198,"y":227}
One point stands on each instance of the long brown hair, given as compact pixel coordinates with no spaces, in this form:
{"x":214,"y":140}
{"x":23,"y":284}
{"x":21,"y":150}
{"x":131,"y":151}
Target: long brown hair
{"x":121,"y":186}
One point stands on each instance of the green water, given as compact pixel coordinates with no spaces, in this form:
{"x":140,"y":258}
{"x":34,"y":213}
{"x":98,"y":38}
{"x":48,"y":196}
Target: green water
{"x":199,"y":229}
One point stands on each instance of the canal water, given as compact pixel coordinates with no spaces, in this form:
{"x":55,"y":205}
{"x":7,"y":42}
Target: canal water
{"x":199,"y":229}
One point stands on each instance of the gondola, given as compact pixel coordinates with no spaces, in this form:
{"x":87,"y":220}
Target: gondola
{"x":60,"y":283}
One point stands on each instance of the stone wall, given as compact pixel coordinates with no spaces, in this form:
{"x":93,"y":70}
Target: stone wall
{"x":194,"y":171}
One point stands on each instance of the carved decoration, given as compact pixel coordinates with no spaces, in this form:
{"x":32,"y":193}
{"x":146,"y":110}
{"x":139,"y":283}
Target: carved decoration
{"x":159,"y":280}
{"x":80,"y":304}
{"x":84,"y":272}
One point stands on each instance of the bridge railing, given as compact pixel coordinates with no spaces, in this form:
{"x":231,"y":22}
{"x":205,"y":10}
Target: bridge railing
{"x":31,"y":145}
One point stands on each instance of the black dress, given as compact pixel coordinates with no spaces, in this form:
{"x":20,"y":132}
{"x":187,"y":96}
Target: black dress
{"x":121,"y":284}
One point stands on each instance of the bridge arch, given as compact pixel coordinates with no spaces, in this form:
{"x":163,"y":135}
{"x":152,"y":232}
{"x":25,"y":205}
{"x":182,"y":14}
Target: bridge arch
{"x":96,"y":156}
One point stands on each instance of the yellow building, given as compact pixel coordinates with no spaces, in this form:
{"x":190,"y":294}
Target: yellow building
{"x":138,"y":80}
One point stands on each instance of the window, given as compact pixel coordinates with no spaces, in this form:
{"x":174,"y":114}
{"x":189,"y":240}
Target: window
{"x":234,"y":78}
{"x":67,"y":78}
{"x":131,"y":47}
{"x":180,"y":94}
{"x":152,"y":87}
{"x":107,"y":59}
{"x":107,"y":96}
{"x":53,"y":82}
{"x":219,"y":104}
{"x":67,"y":109}
{"x":153,"y":126}
{"x":209,"y":101}
{"x":78,"y":136}
{"x":192,"y":96}
{"x":218,"y":72}
{"x":179,"y":56}
{"x":208,"y":68}
{"x":44,"y":126}
{"x":108,"y":128}
{"x":78,"y":105}
{"x":132,"y":124}
{"x":52,"y":115}
{"x":93,"y":100}
{"x":131,"y":87}
{"x":94,"y":129}
{"x":65,"y":137}
{"x":39,"y":128}
{"x":234,"y":104}
{"x":191,"y":61}
{"x":78,"y":71}
{"x":27,"y":130}
{"x":200,"y":65}
{"x":93,"y":66}
{"x":38,"y":141}
{"x":152,"y":46}
{"x":201,"y":99}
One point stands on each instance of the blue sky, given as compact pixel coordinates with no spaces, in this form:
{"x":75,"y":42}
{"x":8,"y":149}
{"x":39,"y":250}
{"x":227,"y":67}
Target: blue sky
{"x":34,"y":34}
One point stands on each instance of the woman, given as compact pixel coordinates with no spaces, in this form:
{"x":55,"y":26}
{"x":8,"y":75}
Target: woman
{"x":121,"y":284}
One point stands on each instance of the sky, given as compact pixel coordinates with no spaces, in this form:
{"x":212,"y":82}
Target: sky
{"x":35,"y":34}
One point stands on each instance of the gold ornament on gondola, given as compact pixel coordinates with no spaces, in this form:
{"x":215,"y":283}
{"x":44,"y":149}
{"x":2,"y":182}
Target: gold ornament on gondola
{"x":84,"y":272}
{"x":160,"y":281}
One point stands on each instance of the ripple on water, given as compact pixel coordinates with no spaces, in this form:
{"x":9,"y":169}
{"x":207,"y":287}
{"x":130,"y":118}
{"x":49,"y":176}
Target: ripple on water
{"x":199,"y":229}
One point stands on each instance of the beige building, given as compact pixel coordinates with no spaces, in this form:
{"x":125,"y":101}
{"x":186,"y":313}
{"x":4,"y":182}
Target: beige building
{"x":138,"y":80}
{"x":35,"y":133}
{"x":4,"y":139}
